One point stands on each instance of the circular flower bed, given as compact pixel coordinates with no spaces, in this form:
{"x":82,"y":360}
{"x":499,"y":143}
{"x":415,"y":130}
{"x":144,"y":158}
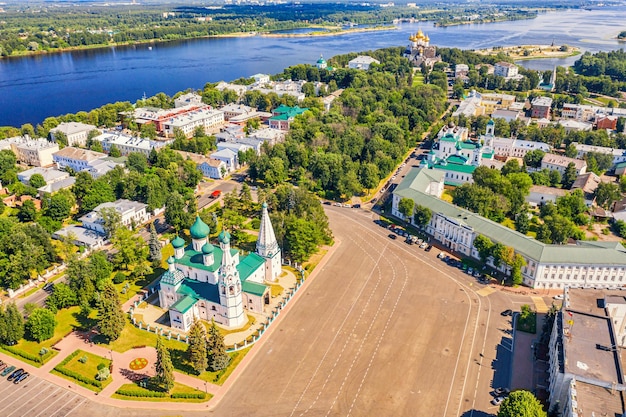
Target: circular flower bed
{"x":139,"y":363}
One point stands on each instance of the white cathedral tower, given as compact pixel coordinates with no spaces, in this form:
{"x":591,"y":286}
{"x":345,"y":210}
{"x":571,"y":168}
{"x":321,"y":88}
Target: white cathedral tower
{"x":230,"y":285}
{"x":267,"y":247}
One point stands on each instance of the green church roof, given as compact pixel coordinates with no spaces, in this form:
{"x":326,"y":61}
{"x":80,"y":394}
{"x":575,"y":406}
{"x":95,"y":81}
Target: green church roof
{"x":207,"y":248}
{"x":178,"y":242}
{"x":224,"y":237}
{"x":184,"y":304}
{"x":199,"y":230}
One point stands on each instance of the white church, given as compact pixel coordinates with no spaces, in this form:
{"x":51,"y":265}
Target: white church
{"x":210,"y":282}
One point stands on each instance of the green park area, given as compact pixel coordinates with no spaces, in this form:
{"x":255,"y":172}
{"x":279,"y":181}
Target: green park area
{"x":82,"y":368}
{"x":146,"y":390}
{"x":527,"y":320}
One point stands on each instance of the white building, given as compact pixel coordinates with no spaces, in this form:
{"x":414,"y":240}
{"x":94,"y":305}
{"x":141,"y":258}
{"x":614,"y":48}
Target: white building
{"x":33,"y":152}
{"x":505,"y":69}
{"x":619,"y":155}
{"x":50,"y":175}
{"x":230,"y":159}
{"x":461,"y":70}
{"x":208,"y":282}
{"x":187,"y":99}
{"x":574,"y":126}
{"x":514,"y":147}
{"x":128,"y":144}
{"x":362,"y":62}
{"x":585,"y":264}
{"x":75,"y":132}
{"x":541,"y":194}
{"x":210,"y":167}
{"x":207,"y":118}
{"x":232,"y":110}
{"x":555,"y":162}
{"x":80,"y":236}
{"x":585,"y":366}
{"x":132,"y":213}
{"x":77,"y":159}
{"x":261,"y":78}
{"x":237,"y":88}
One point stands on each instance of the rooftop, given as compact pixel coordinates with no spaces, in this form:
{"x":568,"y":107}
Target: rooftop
{"x":71,"y":152}
{"x":70,"y":128}
{"x":592,"y":400}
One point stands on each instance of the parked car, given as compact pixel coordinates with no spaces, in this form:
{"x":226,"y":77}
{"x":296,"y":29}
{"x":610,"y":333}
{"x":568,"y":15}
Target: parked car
{"x":216,"y":193}
{"x":49,"y":287}
{"x":15,"y":374}
{"x":428,"y":248}
{"x":21,"y":378}
{"x":470,"y":271}
{"x":3,"y":366}
{"x":441,"y":255}
{"x":558,"y":297}
{"x":423,"y":245}
{"x":408,"y":240}
{"x":356,"y":206}
{"x":7,"y":371}
{"x":497,"y":400}
{"x":501,"y":392}
{"x":507,"y":313}
{"x":392,"y":236}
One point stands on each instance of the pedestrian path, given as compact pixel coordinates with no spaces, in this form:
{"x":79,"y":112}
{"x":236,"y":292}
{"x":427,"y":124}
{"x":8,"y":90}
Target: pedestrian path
{"x":486,"y":291}
{"x":540,"y":304}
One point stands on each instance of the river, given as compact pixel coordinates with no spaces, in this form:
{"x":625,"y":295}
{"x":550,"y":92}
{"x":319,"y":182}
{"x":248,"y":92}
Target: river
{"x":33,"y":88}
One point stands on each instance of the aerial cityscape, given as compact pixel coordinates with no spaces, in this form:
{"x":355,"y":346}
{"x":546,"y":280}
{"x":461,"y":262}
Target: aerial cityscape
{"x":279,"y":208}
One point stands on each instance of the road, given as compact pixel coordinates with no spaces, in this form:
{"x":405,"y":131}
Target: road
{"x":384,"y":329}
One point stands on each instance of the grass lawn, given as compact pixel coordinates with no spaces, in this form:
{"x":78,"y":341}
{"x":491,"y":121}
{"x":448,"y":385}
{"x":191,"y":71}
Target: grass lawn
{"x":314,"y":260}
{"x":276,"y":290}
{"x":180,"y":363}
{"x":133,"y":337}
{"x":178,"y":389}
{"x":527,"y":324}
{"x":418,"y":78}
{"x":67,"y":321}
{"x":224,"y":332}
{"x":88,"y":369}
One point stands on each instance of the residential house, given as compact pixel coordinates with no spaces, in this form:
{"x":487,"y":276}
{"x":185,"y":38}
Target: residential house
{"x":75,"y":132}
{"x":210,"y":167}
{"x":540,"y":107}
{"x":588,"y":183}
{"x":54,"y":187}
{"x":284,"y":115}
{"x":80,"y":236}
{"x":606,"y":122}
{"x":230,"y":159}
{"x":77,"y":159}
{"x":158,"y":117}
{"x":205,"y":117}
{"x":32,"y":152}
{"x":50,"y":175}
{"x":362,"y":62}
{"x":188,"y":99}
{"x":461,"y":70}
{"x":555,"y":162}
{"x":574,"y":126}
{"x":505,"y":69}
{"x":507,"y":115}
{"x":132,"y":213}
{"x":128,"y":144}
{"x":541,"y":194}
{"x":619,"y":155}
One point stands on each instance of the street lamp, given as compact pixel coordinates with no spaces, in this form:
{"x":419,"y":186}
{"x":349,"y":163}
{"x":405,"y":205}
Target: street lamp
{"x":205,"y":388}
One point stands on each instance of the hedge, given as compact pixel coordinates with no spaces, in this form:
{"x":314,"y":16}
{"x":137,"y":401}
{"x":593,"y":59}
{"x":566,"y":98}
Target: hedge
{"x":137,"y":393}
{"x":197,"y":395}
{"x":68,"y":358}
{"x":78,"y":377}
{"x":25,"y":355}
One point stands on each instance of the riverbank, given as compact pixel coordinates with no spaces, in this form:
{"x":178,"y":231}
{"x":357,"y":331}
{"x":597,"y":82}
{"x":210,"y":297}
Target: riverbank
{"x":524,"y":52}
{"x":327,"y":33}
{"x":448,"y":23}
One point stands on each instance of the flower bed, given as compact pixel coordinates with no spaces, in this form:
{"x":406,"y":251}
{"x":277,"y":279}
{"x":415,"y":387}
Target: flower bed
{"x":138,"y":363}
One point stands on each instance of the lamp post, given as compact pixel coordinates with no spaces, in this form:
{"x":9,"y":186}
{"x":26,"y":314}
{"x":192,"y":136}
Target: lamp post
{"x":205,"y":388}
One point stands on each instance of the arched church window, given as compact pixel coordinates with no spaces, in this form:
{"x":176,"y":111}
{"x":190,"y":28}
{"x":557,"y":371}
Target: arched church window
{"x":231,"y":290}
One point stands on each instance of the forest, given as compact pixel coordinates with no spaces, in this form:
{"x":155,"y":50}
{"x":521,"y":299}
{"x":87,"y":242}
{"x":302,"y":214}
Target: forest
{"x":370,"y":127}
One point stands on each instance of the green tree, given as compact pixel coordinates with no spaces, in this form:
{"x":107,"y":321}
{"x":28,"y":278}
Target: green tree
{"x":521,"y":403}
{"x":216,"y":350}
{"x":59,"y":205}
{"x":130,"y":248}
{"x":62,"y":297}
{"x":607,"y":193}
{"x":40,"y":324}
{"x":137,"y":161}
{"x":111,"y":220}
{"x":11,"y":324}
{"x":517,"y":264}
{"x":555,"y":178}
{"x":100,"y":269}
{"x":175,"y":214}
{"x":484,"y":246}
{"x":155,"y":247}
{"x":406,"y":206}
{"x":522,"y":222}
{"x":114,"y":151}
{"x":569,"y":177}
{"x":533,"y":158}
{"x":197,"y":349}
{"x":422,"y":215}
{"x":27,"y":212}
{"x":163,"y":366}
{"x":37,"y":181}
{"x":111,"y":317}
{"x":148,"y":131}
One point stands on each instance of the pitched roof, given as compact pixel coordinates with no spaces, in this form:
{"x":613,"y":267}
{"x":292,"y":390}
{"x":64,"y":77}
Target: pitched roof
{"x":184,"y":304}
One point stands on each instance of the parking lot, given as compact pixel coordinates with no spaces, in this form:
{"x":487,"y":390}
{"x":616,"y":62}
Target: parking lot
{"x":35,"y":397}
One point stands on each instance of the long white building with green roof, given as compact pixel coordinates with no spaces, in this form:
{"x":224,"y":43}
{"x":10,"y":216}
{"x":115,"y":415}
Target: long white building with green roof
{"x":585,"y":264}
{"x":213,"y":282}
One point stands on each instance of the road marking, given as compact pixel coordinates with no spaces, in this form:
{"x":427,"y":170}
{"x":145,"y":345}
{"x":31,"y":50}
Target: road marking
{"x":540,"y":305}
{"x":78,"y":405}
{"x":53,"y":392}
{"x":51,"y":404}
{"x":7,"y":405}
{"x":486,"y":291}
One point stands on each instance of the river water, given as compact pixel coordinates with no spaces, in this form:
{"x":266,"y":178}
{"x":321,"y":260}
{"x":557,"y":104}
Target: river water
{"x":33,"y":88}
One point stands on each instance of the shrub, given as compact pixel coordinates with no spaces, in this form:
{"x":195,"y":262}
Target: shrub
{"x":43,"y":351}
{"x":137,"y":393}
{"x":101,"y":366}
{"x":78,"y":377}
{"x":119,"y":278}
{"x":21,"y":353}
{"x":83,"y":359}
{"x":103,"y":374}
{"x":196,"y":395}
{"x":68,"y":358}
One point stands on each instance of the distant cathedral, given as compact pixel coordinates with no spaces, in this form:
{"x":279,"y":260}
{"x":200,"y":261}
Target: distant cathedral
{"x":209,"y":282}
{"x":419,"y":51}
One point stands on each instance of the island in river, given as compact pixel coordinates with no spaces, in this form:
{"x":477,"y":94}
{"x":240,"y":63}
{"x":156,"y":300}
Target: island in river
{"x":522,"y":52}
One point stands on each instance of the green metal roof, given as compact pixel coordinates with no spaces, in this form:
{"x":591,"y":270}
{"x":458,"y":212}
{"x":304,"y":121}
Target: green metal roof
{"x":456,"y":159}
{"x":455,"y":167}
{"x":584,"y":252}
{"x":178,"y":242}
{"x":448,"y":137}
{"x":470,"y":145}
{"x":194,"y":259}
{"x":199,"y":229}
{"x":621,"y":165}
{"x":488,"y":155}
{"x":172,"y":278}
{"x":207,"y":248}
{"x":249,"y":264}
{"x":200,"y":290}
{"x":184,"y":304}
